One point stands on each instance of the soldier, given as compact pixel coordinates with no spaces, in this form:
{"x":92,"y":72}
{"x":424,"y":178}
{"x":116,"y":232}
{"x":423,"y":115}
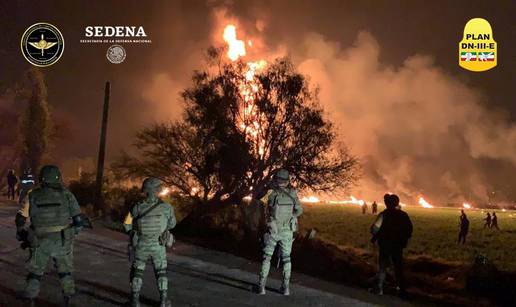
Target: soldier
{"x":12,"y":180}
{"x":149,"y":224}
{"x":488,"y":221}
{"x":55,"y":220}
{"x":282,"y":210}
{"x":26,"y":184}
{"x":392,"y":229}
{"x":463,"y":228}
{"x":374,"y":207}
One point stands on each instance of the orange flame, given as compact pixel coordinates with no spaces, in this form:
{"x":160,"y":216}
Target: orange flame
{"x":164,"y":192}
{"x":466,"y":206}
{"x":236,"y":47}
{"x":310,"y":199}
{"x":424,"y":203}
{"x":249,"y":121}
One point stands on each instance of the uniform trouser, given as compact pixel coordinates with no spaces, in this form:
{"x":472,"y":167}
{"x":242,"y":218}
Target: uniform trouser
{"x":61,"y":252}
{"x":158,"y":254}
{"x":462,"y":237}
{"x":284,"y":239}
{"x":391,"y":255}
{"x":10,"y":191}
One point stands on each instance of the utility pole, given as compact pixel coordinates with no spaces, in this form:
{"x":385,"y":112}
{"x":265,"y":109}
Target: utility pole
{"x":99,"y":201}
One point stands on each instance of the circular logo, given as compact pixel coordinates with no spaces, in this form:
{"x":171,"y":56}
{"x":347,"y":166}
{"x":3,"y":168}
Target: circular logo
{"x":42,"y":44}
{"x":116,"y":54}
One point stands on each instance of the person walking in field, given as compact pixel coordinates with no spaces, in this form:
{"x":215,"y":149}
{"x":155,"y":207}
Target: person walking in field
{"x":488,"y":221}
{"x":374,"y":207}
{"x":364,"y":208}
{"x":12,"y":180}
{"x":463,"y":228}
{"x":392,"y":229}
{"x":494,"y":221}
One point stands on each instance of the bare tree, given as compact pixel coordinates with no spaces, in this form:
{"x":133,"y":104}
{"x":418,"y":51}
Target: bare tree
{"x":237,"y":130}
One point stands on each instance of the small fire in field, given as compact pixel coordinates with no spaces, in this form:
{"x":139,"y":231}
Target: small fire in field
{"x":424,"y":203}
{"x":310,"y":199}
{"x":466,"y":206}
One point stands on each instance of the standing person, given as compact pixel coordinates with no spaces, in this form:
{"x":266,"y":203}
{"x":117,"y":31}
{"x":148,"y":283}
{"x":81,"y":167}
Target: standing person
{"x":282,"y":210}
{"x":50,"y":207}
{"x":149,"y":224}
{"x":374,"y":207}
{"x":494,"y":221}
{"x":12,"y":180}
{"x":364,"y":208}
{"x":488,"y":221}
{"x":26,"y":184}
{"x":463,"y":228}
{"x":392,"y":229}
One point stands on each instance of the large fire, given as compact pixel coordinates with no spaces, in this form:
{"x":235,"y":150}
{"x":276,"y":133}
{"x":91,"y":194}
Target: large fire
{"x":424,"y":203}
{"x":249,"y":120}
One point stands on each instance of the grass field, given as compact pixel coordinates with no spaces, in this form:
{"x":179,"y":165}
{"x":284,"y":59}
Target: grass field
{"x":435,"y":233}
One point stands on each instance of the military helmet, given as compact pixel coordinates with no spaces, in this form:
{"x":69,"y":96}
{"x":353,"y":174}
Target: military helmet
{"x":151,"y":184}
{"x":282,"y":175}
{"x":50,"y":175}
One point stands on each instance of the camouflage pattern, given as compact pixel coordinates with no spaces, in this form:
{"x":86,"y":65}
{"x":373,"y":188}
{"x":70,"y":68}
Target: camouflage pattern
{"x":50,"y":235}
{"x":283,"y":209}
{"x":146,"y":232}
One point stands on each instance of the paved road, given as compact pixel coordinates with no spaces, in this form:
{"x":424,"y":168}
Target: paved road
{"x":198,"y":276}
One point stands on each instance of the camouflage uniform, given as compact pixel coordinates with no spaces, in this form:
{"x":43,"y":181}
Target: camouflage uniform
{"x":283,"y":209}
{"x":145,"y":233}
{"x":55,"y":220}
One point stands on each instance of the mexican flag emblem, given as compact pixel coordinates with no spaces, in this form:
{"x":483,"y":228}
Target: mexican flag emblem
{"x":486,"y":56}
{"x":468,"y":56}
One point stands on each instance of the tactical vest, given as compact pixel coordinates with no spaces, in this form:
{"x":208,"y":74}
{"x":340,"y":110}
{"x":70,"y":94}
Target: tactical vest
{"x":154,"y":223}
{"x":282,"y":208}
{"x":49,"y":210}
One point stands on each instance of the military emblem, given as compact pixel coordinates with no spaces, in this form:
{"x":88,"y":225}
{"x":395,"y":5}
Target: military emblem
{"x":116,"y":54}
{"x":42,"y":44}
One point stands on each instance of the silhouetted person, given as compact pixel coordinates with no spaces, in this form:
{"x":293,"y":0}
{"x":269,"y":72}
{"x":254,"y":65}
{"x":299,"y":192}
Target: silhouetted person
{"x":494,"y":221}
{"x":364,"y":208}
{"x":392,"y":229}
{"x":374,"y":208}
{"x":488,"y":221}
{"x":11,"y":184}
{"x":463,"y":228}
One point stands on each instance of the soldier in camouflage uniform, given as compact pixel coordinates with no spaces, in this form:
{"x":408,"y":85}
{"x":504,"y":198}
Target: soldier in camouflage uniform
{"x":282,"y":210}
{"x":149,"y":224}
{"x":55,"y":220}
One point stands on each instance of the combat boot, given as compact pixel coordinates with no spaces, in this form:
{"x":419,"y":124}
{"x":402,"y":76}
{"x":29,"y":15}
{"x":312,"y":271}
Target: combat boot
{"x":163,"y":299}
{"x":135,"y":299}
{"x":261,"y":286}
{"x":285,"y":289}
